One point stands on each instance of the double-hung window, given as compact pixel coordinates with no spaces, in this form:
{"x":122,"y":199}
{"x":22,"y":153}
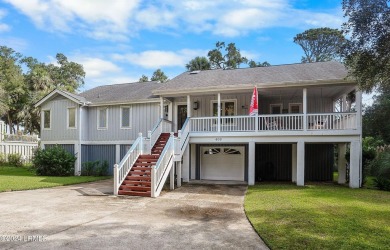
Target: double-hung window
{"x":46,"y":119}
{"x":126,"y":117}
{"x":72,"y":117}
{"x":102,"y":118}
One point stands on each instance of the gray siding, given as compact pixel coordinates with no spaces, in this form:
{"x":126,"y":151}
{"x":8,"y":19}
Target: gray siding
{"x":99,"y":153}
{"x":84,"y":123}
{"x":59,"y":131}
{"x":68,"y":147}
{"x":143,"y":118}
{"x":123,"y":150}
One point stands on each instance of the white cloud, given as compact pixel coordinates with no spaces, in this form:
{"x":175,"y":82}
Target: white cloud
{"x":96,"y":67}
{"x":122,"y":19}
{"x":15,"y":43}
{"x":96,"y":18}
{"x":3,"y":26}
{"x":153,"y":59}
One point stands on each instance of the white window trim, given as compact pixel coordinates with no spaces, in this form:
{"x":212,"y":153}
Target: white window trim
{"x":130,"y":117}
{"x":276,"y":105}
{"x":43,"y":119}
{"x":223,"y":101}
{"x":98,"y":118}
{"x":75,"y":118}
{"x":294,"y":104}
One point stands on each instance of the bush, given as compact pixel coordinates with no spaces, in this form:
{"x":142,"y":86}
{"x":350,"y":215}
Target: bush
{"x":89,"y":168}
{"x":54,"y":161}
{"x":3,"y":159}
{"x":102,"y":169}
{"x":15,"y":160}
{"x":380,"y":169}
{"x":93,"y":168}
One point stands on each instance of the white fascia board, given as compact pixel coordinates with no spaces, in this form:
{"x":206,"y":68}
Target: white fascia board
{"x":157,"y":100}
{"x":56,"y":92}
{"x":249,"y":87}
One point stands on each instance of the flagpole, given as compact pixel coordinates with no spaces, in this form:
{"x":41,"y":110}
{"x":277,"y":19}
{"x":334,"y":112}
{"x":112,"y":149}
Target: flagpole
{"x":257,"y":114}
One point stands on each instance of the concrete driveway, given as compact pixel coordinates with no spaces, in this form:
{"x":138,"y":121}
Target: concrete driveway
{"x":86,"y":217}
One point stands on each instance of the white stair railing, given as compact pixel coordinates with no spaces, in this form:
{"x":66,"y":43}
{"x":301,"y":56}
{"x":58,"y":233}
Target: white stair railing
{"x":184,"y":134}
{"x":162,"y":126}
{"x":163,"y":166}
{"x":122,"y":169}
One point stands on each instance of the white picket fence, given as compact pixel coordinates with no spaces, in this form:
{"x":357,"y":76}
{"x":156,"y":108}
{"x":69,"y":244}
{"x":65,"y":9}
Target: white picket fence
{"x":26,"y":150}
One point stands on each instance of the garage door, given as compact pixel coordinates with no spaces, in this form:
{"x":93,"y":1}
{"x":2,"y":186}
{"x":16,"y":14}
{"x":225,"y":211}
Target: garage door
{"x":222,"y":163}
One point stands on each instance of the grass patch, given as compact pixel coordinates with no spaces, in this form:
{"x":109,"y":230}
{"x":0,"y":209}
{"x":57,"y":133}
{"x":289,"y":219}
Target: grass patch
{"x":22,"y":178}
{"x":319,"y":216}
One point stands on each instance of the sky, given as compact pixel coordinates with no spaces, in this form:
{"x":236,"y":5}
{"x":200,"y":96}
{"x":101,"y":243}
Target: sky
{"x":118,"y":41}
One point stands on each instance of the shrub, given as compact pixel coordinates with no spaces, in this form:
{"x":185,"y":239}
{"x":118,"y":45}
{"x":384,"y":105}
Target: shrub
{"x":3,"y":159}
{"x":94,"y":168}
{"x":102,"y":169}
{"x":380,"y":169}
{"x":15,"y":160}
{"x":89,"y":168}
{"x":54,"y":161}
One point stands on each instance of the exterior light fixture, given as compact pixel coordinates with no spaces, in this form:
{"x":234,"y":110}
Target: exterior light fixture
{"x":195,"y":105}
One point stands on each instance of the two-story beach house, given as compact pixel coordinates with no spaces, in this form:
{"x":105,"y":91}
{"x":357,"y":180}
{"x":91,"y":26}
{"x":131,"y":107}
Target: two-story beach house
{"x":197,"y":127}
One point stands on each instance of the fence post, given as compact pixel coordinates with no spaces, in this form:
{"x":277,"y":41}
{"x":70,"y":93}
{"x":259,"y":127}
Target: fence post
{"x":116,"y":179}
{"x":153,"y":182}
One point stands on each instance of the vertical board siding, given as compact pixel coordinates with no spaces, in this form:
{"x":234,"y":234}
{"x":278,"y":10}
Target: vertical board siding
{"x":59,"y":131}
{"x":273,"y":162}
{"x":68,"y":147}
{"x":319,"y":160}
{"x":143,"y":118}
{"x":99,"y":153}
{"x":123,"y":150}
{"x":314,"y":104}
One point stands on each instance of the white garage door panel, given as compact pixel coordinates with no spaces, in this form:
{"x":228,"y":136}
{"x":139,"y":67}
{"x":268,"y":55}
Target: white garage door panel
{"x":224,"y":163}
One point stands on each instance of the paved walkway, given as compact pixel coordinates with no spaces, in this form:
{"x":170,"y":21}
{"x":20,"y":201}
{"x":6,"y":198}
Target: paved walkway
{"x":85,"y":217}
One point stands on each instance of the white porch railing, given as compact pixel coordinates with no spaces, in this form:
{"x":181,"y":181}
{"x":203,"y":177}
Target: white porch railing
{"x":282,"y":122}
{"x":162,"y":126}
{"x":123,"y":168}
{"x":331,"y":121}
{"x":163,"y":167}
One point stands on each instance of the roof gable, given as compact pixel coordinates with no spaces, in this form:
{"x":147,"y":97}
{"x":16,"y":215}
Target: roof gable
{"x":73,"y":97}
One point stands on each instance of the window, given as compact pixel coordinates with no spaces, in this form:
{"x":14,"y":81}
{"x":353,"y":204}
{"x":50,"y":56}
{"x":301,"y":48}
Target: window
{"x":102,"y":118}
{"x":295,"y":108}
{"x":276,"y":108}
{"x":46,"y":119}
{"x":125,"y":117}
{"x":71,"y":117}
{"x":228,"y":108}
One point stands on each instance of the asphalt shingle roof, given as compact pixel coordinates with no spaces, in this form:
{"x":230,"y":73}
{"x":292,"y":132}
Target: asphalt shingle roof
{"x":126,"y":92}
{"x":293,"y":73}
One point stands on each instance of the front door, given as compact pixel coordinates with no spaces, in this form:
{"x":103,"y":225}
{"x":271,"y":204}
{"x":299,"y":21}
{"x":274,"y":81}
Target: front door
{"x":181,"y":115}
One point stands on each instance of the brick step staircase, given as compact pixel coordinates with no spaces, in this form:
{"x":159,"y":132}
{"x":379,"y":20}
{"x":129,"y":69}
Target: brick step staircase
{"x":138,"y":181}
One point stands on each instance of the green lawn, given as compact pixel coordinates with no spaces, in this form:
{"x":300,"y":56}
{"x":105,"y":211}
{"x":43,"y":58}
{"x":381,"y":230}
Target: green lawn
{"x":12,"y":178}
{"x":319,"y":216}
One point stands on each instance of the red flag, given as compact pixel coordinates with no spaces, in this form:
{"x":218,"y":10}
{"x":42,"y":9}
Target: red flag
{"x":254,"y":108}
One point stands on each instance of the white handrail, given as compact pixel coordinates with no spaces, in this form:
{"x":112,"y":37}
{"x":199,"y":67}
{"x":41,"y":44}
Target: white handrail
{"x":162,"y":126}
{"x":123,"y":168}
{"x":162,"y":168}
{"x":184,"y":133}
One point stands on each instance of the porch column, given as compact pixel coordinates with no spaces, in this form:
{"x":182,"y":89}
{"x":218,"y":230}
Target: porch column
{"x":344,"y":103}
{"x":117,"y":153}
{"x":251,"y":163}
{"x":77,"y":152}
{"x":359,"y":129}
{"x":219,"y":112}
{"x":300,"y":163}
{"x":188,"y":106}
{"x":354,"y":165}
{"x":294,"y":162}
{"x":342,"y":163}
{"x":186,"y":164}
{"x":304,"y":109}
{"x":161,"y":107}
{"x":178,"y":171}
